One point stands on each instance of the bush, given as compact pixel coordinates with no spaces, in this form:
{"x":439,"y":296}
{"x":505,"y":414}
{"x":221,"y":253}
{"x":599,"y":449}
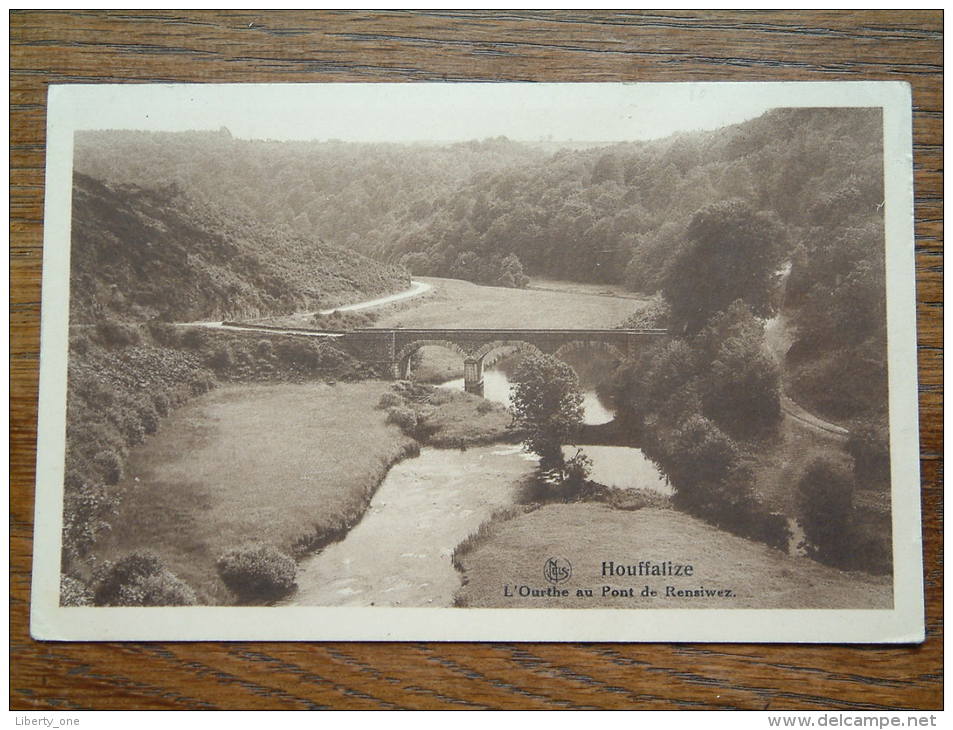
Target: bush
{"x":87,"y":510}
{"x":221,"y":359}
{"x":140,"y":579}
{"x":826,"y":497}
{"x":257,"y":571}
{"x":869,"y":446}
{"x":131,"y":428}
{"x":117,"y":334}
{"x":78,"y":343}
{"x":109,"y":465}
{"x":485,"y":406}
{"x":148,"y":417}
{"x":196,"y":337}
{"x":656,"y":314}
{"x":201,"y":383}
{"x":872,"y":548}
{"x":161,"y":403}
{"x":389,"y":400}
{"x":299,"y":353}
{"x":74,"y":592}
{"x":264,"y":349}
{"x":164,"y":333}
{"x":405,"y":418}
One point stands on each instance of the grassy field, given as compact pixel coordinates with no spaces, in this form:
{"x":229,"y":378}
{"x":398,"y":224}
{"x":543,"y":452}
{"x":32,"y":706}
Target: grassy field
{"x":292,"y":465}
{"x":514,"y":550}
{"x":458,"y":420}
{"x":456,"y":303}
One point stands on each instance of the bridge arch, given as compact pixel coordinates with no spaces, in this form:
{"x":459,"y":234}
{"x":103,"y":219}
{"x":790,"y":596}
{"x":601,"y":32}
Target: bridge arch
{"x":577,"y":345}
{"x":493,"y":351}
{"x":408,"y":350}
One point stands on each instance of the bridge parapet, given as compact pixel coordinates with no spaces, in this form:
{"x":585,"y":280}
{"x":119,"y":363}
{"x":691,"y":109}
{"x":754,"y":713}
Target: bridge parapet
{"x":395,"y":347}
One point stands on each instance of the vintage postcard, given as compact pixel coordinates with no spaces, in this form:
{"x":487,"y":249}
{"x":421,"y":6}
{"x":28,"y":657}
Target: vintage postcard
{"x":541,"y":362}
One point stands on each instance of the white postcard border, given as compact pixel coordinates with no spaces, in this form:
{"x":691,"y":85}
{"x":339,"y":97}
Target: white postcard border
{"x":902,"y":624}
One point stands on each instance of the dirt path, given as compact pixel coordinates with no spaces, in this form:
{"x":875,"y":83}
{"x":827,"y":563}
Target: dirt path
{"x":777,"y":338}
{"x":418,"y":288}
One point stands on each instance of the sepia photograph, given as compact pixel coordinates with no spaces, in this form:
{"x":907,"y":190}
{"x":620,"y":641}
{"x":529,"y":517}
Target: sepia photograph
{"x":636,"y":360}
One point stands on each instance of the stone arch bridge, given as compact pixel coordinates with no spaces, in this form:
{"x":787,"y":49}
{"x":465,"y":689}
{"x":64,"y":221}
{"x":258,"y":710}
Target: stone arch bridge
{"x":479,"y":348}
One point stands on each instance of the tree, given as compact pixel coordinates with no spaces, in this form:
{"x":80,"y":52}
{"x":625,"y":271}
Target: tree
{"x":732,"y":253}
{"x":417,"y":263}
{"x":547,"y":406}
{"x":741,"y":382}
{"x":826,"y":493}
{"x":511,"y":272}
{"x":869,"y":446}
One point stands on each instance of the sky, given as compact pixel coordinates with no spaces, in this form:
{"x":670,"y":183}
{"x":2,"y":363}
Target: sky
{"x":438,"y":112}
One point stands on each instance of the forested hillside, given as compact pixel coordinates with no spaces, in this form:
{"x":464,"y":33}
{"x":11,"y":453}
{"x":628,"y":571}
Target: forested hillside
{"x":799,"y":188}
{"x":142,"y":254}
{"x":616,"y":213}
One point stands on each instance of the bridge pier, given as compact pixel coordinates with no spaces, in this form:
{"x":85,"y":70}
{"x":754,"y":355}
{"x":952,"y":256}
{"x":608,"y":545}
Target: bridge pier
{"x":399,"y":369}
{"x":473,"y":375}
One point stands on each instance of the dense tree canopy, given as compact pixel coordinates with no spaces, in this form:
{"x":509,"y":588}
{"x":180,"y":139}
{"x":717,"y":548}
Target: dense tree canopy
{"x":731,"y":253}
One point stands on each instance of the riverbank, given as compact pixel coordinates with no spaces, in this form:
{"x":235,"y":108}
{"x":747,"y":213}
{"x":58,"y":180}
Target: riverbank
{"x":448,"y":419}
{"x":517,"y":545}
{"x":399,"y":553}
{"x":292,"y":465}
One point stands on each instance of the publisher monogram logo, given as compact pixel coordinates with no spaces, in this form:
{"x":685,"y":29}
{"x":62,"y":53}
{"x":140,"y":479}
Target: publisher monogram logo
{"x":557,"y":570}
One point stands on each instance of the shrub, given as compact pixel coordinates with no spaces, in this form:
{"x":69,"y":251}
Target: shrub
{"x":140,"y":579}
{"x":109,"y":465}
{"x":442,"y":396}
{"x":265,"y":349}
{"x":299,"y":353}
{"x":389,"y":400}
{"x":257,"y":571}
{"x":117,"y":334}
{"x":656,"y":314}
{"x":164,"y":333}
{"x":161,"y":403}
{"x":74,"y":592}
{"x":131,"y":428}
{"x":87,"y":510}
{"x":221,"y":358}
{"x":826,"y":496}
{"x":485,"y":406}
{"x":148,"y":417}
{"x":195,"y":337}
{"x":405,"y":418}
{"x":92,"y":390}
{"x":872,"y":549}
{"x":202,"y":382}
{"x":869,"y":446}
{"x":78,"y":343}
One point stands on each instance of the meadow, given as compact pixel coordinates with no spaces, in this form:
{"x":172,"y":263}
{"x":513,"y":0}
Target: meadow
{"x":513,"y":552}
{"x":292,"y":465}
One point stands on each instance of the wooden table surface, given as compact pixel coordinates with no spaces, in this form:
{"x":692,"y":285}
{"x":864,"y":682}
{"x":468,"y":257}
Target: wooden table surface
{"x":246,"y":46}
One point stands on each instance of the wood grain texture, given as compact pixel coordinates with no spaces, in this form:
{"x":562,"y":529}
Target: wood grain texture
{"x":170,"y":46}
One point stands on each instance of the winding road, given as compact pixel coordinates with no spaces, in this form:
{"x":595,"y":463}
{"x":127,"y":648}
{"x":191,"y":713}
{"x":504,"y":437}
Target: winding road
{"x":417,"y":288}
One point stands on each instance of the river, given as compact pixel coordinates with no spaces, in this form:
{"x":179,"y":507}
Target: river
{"x":399,"y":553}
